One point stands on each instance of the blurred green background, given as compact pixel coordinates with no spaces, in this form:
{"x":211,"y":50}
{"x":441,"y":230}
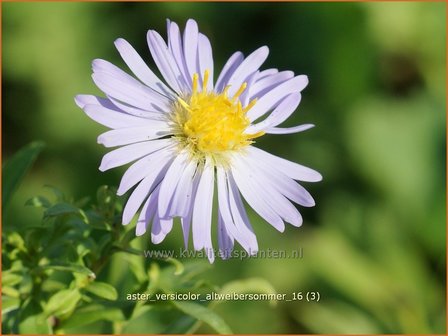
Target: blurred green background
{"x":374,"y":245}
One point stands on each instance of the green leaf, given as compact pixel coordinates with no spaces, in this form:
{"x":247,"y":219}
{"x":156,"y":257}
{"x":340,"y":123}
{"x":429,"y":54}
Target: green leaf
{"x":35,"y":324}
{"x":9,"y":304}
{"x":93,"y":313}
{"x":203,"y":314}
{"x":15,"y":169}
{"x":102,"y":290}
{"x":10,"y":279}
{"x":62,"y":302}
{"x":38,"y":202}
{"x":10,"y":291}
{"x":61,"y":209}
{"x":67,"y":267}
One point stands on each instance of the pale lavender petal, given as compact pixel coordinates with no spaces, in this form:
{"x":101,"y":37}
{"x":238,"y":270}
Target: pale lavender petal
{"x":153,"y":115}
{"x":286,"y":107}
{"x":205,"y":57}
{"x":254,"y":199}
{"x":289,"y":130}
{"x":147,"y":213}
{"x":126,"y":154}
{"x":113,"y":118}
{"x":141,"y":192}
{"x":240,"y":216}
{"x":140,"y":69}
{"x":266,"y":84}
{"x":181,"y":201}
{"x":246,"y":96}
{"x":225,"y":242}
{"x":186,"y":220}
{"x":281,"y":182}
{"x":170,"y":182}
{"x":265,"y":73}
{"x":118,"y":84}
{"x":176,"y":47}
{"x":291,"y":169}
{"x":83,"y":100}
{"x":150,"y":164}
{"x":234,"y":225}
{"x":165,"y":61}
{"x":160,"y":229}
{"x":202,"y":210}
{"x":261,"y":184}
{"x":229,"y":68}
{"x":251,"y":64}
{"x":191,"y":36}
{"x":270,"y":99}
{"x":126,"y":136}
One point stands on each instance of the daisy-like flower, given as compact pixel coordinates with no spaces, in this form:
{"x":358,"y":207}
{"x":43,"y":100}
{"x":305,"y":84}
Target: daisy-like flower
{"x":190,"y":134}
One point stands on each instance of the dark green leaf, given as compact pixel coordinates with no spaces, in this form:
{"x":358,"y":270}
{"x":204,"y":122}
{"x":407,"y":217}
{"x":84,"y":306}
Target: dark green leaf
{"x":102,"y":290}
{"x":15,"y":169}
{"x":61,"y":209}
{"x":203,"y":314}
{"x":38,"y":202}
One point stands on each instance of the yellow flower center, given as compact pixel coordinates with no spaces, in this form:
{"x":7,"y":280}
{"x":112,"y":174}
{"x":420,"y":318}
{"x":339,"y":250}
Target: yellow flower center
{"x":211,"y":123}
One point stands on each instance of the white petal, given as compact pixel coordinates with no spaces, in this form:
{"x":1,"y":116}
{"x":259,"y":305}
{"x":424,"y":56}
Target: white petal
{"x":205,"y":57}
{"x":291,"y":169}
{"x":202,"y":210}
{"x":225,"y":242}
{"x":113,"y":118}
{"x":118,"y":84}
{"x":176,"y":48}
{"x":282,"y":183}
{"x":267,"y":72}
{"x":165,"y":61}
{"x":138,"y":196}
{"x":191,"y":35}
{"x":186,"y":220}
{"x":134,"y":111}
{"x":126,"y":154}
{"x":181,"y":201}
{"x":245,"y":96}
{"x":147,"y":213}
{"x":261,"y":184}
{"x":229,"y":68}
{"x":240,"y":216}
{"x":270,"y":99}
{"x":251,"y":64}
{"x":264,"y":85}
{"x":246,"y":186}
{"x":289,"y":130}
{"x":170,"y":182}
{"x":147,"y":165}
{"x":125,"y":136}
{"x":280,"y":114}
{"x":140,"y":69}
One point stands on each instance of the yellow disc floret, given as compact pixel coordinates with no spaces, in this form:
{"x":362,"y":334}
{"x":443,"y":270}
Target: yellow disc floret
{"x":211,"y":123}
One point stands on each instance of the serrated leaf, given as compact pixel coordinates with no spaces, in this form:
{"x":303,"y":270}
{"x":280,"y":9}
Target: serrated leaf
{"x":62,"y":302}
{"x":38,"y":202}
{"x":66,"y":267}
{"x":15,"y":169}
{"x":92,"y":314}
{"x":102,"y":290}
{"x":203,"y":314}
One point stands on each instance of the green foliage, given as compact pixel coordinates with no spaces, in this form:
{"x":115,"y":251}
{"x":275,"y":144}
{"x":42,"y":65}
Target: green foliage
{"x":52,"y":271}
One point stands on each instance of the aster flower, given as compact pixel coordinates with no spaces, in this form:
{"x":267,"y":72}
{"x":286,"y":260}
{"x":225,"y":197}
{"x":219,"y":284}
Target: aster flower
{"x":188,"y":131}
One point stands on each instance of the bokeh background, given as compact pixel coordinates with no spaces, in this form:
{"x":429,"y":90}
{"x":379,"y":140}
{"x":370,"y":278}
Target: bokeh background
{"x":374,"y":246}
